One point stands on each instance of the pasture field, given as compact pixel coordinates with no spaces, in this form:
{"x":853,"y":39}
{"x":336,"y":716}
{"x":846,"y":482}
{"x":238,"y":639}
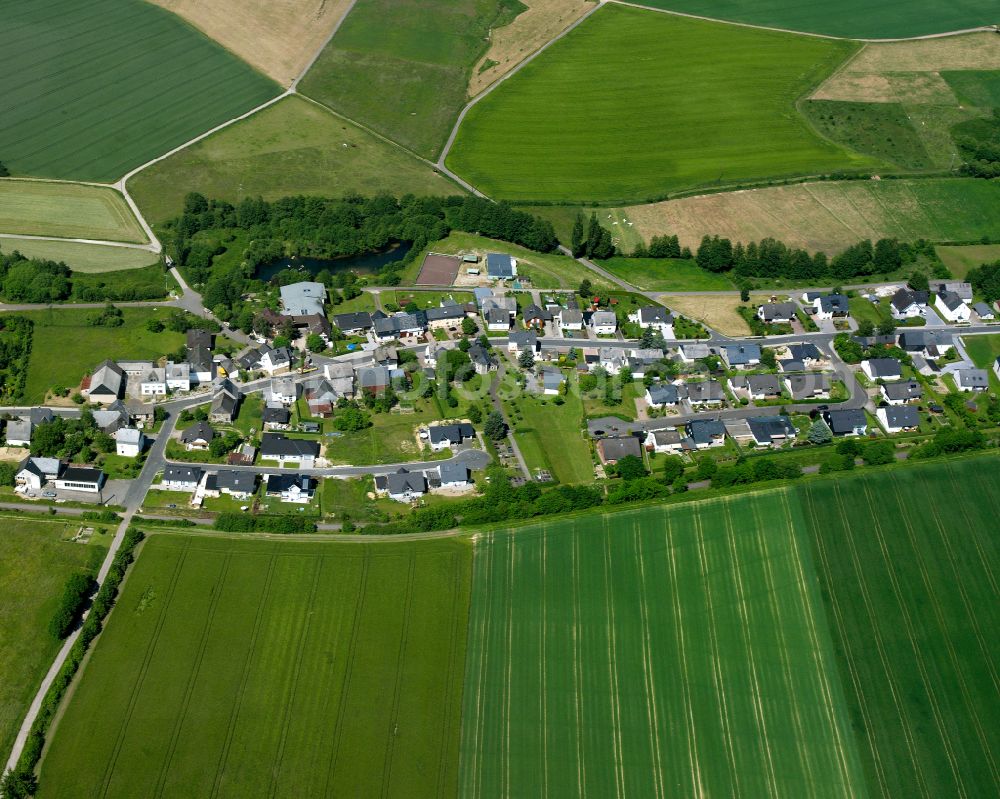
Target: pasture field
{"x":887,"y":19}
{"x":91,"y":90}
{"x":89,"y":258}
{"x":830,"y":216}
{"x":40,"y":208}
{"x":253,"y":668}
{"x":36,"y":559}
{"x":667,"y":274}
{"x":907,"y":561}
{"x":64,"y":347}
{"x":293,"y":147}
{"x":402,"y":67}
{"x":660,"y":652}
{"x":610,"y":114}
{"x":277,"y":37}
{"x":960,"y":260}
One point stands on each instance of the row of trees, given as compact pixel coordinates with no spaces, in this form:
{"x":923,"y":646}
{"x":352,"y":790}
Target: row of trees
{"x":39,"y":280}
{"x":985,"y":280}
{"x":15,"y":350}
{"x":596,"y":242}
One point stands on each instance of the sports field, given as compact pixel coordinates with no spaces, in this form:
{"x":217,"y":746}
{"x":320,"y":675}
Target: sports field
{"x":830,"y":216}
{"x":908,"y":562}
{"x":658,"y":653}
{"x":293,"y":147}
{"x":36,"y":559}
{"x":91,"y":258}
{"x":886,"y":19}
{"x":609,"y":113}
{"x":91,"y":90}
{"x":402,"y":67}
{"x":252,"y":668}
{"x":37,"y":208}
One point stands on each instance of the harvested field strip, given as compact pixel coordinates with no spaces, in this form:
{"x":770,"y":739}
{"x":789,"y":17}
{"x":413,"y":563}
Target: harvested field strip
{"x":68,"y":210}
{"x":907,"y":561}
{"x":351,"y":653}
{"x":658,"y":652}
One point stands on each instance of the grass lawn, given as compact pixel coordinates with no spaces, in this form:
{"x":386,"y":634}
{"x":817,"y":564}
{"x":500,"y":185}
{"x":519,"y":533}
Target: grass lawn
{"x":983,"y":349}
{"x":657,"y":652}
{"x":248,"y":419}
{"x":234,"y":667}
{"x":82,"y":258}
{"x":864,"y":310}
{"x":36,"y":208}
{"x":425,"y":299}
{"x":402,"y":67}
{"x":719,"y":312}
{"x":391,"y":439}
{"x":906,"y":559}
{"x":293,"y":147}
{"x":103,"y":87}
{"x":549,"y":436}
{"x":848,"y":18}
{"x":667,"y":274}
{"x":64,"y":347}
{"x":716,"y":108}
{"x":960,"y":260}
{"x":596,"y":406}
{"x":350,"y":498}
{"x":35,"y":562}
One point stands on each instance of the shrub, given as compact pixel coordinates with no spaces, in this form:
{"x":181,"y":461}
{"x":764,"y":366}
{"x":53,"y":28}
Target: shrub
{"x":74,"y":598}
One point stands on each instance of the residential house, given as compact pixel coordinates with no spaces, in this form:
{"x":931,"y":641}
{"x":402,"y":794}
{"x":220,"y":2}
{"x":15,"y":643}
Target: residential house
{"x":500,"y":266}
{"x":374,"y":379}
{"x":808,"y":386}
{"x":448,"y":315}
{"x":276,"y":447}
{"x":299,"y":488}
{"x":756,"y":387}
{"x":789,"y":365}
{"x":22,"y":428}
{"x":777,"y":312}
{"x":984,"y":311}
{"x":402,"y":485}
{"x":694,"y":351}
{"x":807,"y":352}
{"x":929,"y":343}
{"x":303,"y":299}
{"x":135,"y":369}
{"x":523,"y":340}
{"x":664,"y":395}
{"x":353,"y":324}
{"x":275,"y":418}
{"x":611,"y":359}
{"x":767,"y":431}
{"x":443,"y":436}
{"x":400,"y":325}
{"x":33,"y":473}
{"x":80,"y":478}
{"x":340,"y":376}
{"x":570,"y":319}
{"x":972,"y":379}
{"x":705,"y":392}
{"x":114,"y":416}
{"x":454,"y":475}
{"x":535,"y":316}
{"x":552,"y":381}
{"x":908,"y":304}
{"x":666,"y":441}
{"x":320,"y":397}
{"x":898,"y":419}
{"x":846,"y":422}
{"x":225,"y":402}
{"x":181,"y":478}
{"x":154,"y":383}
{"x":656,"y":317}
{"x":197,"y":436}
{"x":962,"y":288}
{"x":282,"y":391}
{"x":196,"y":337}
{"x":882,"y":369}
{"x":274,"y":360}
{"x":483,"y":360}
{"x":106,"y":384}
{"x":129,"y":442}
{"x":604,"y":323}
{"x":740,"y":356}
{"x":952,"y":307}
{"x":831,"y":306}
{"x":237,"y":484}
{"x":706,"y":433}
{"x":178,"y":376}
{"x":243,"y":455}
{"x":613,"y":449}
{"x":497,"y":320}
{"x":201,"y":365}
{"x":902,"y":392}
{"x":143,"y":414}
{"x":386,"y":356}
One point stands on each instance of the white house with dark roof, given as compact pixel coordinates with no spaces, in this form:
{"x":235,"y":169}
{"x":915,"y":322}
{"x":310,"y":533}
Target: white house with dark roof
{"x":238,"y":484}
{"x":908,"y":304}
{"x":901,"y":392}
{"x":846,"y":422}
{"x":33,"y":473}
{"x":831,"y":306}
{"x":882,"y":369}
{"x":664,"y":395}
{"x":523,"y":341}
{"x":972,"y":379}
{"x":81,"y":478}
{"x":777,"y":312}
{"x":604,"y":323}
{"x":22,"y":428}
{"x":766,"y":431}
{"x":178,"y":376}
{"x":952,"y":307}
{"x":898,"y":419}
{"x":402,"y":485}
{"x":178,"y":477}
{"x":454,"y":475}
{"x":984,"y":311}
{"x":106,"y":384}
{"x":756,"y":387}
{"x":153,"y":383}
{"x":275,"y":446}
{"x":570,"y":319}
{"x":666,"y":441}
{"x":740,"y":356}
{"x":297,"y":488}
{"x":656,"y":317}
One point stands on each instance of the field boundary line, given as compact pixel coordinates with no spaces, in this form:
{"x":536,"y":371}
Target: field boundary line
{"x":348,"y":668}
{"x":543,"y":677}
{"x":265,"y":598}
{"x":109,"y":769}
{"x":912,"y":636}
{"x":647,"y":670}
{"x":396,"y":689}
{"x":581,"y":763}
{"x":508,"y":677}
{"x":96,"y":242}
{"x":456,"y":632}
{"x":614,"y":696}
{"x":478,"y":637}
{"x":192,"y":678}
{"x":294,"y":85}
{"x":296,"y":671}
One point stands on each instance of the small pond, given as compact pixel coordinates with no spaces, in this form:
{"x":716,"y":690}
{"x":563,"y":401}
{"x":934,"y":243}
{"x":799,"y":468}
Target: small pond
{"x":368,"y":264}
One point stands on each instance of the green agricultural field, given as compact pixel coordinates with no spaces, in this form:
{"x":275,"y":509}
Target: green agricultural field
{"x":87,"y":258}
{"x":887,"y":19}
{"x":611,"y":114}
{"x":292,"y":147}
{"x":960,"y":260}
{"x":662,"y":652}
{"x":666,"y":274}
{"x":64,"y":347}
{"x":38,"y":208}
{"x":975,"y":87}
{"x":36,"y":559}
{"x":907,"y":562}
{"x":237,"y":668}
{"x":402,"y":67}
{"x":91,"y":90}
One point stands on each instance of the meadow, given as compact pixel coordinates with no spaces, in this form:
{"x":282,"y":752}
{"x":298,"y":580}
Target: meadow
{"x":960,"y":260}
{"x":831,"y":216}
{"x":64,"y":347}
{"x":91,"y":90}
{"x":549,"y":436}
{"x":86,"y":258}
{"x":610,"y":114}
{"x":656,"y":652}
{"x":907,"y":562}
{"x":293,"y":147}
{"x":888,"y":19}
{"x":402,"y":67}
{"x":36,"y":559}
{"x":666,"y":274}
{"x":39,"y":208}
{"x":254,"y":668}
